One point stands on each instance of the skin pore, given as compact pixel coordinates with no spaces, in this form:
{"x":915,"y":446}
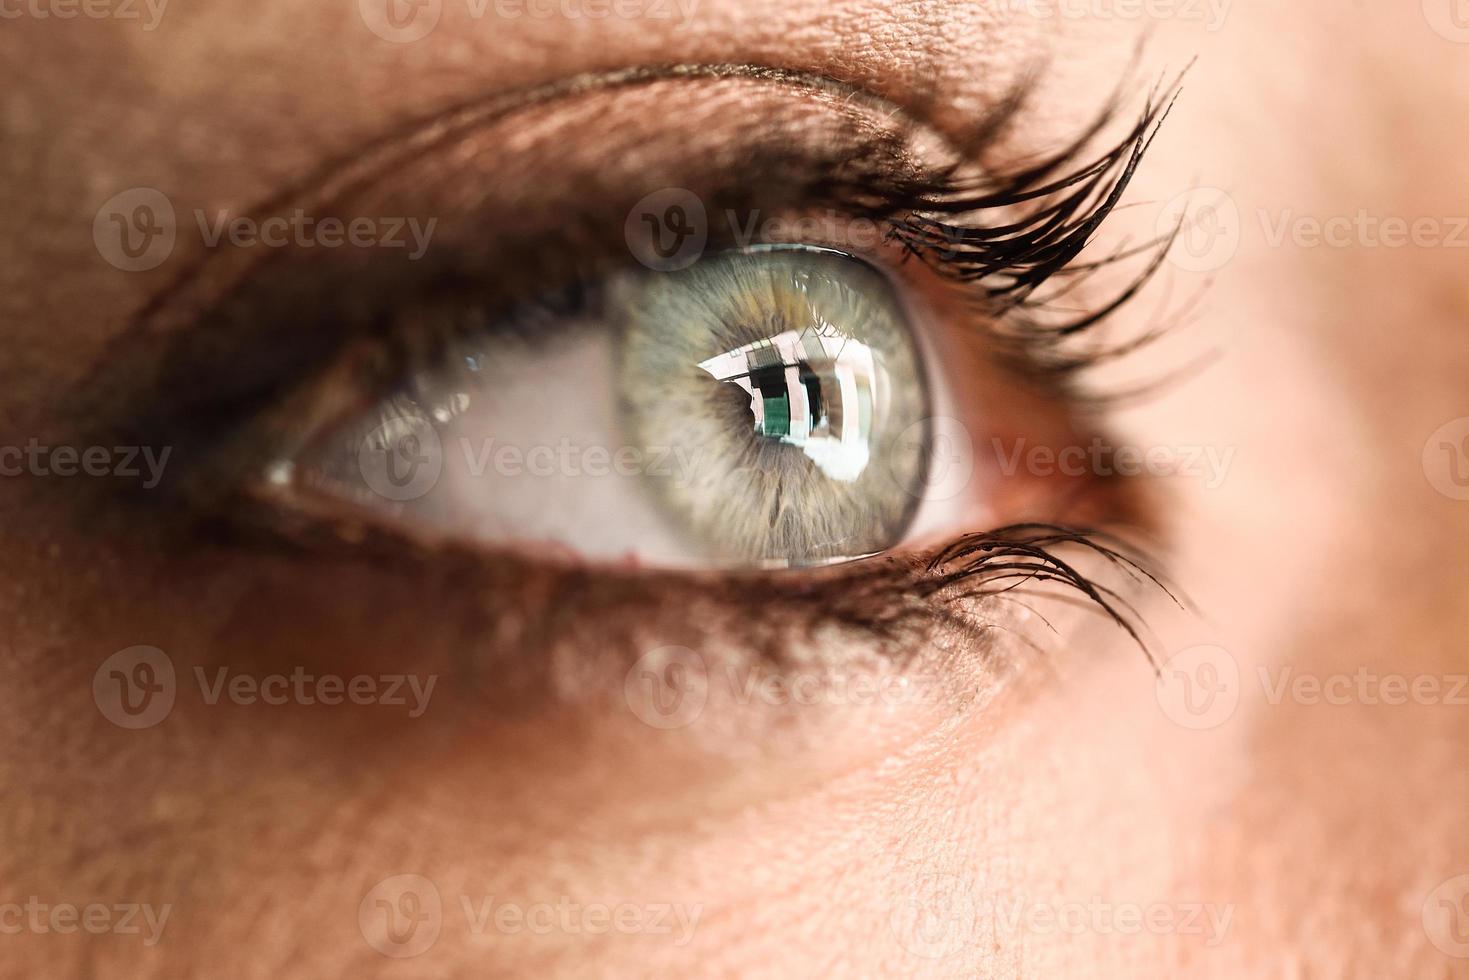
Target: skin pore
{"x":1297,"y":836}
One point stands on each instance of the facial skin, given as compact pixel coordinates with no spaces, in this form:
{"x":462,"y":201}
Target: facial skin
{"x":1000,"y":829}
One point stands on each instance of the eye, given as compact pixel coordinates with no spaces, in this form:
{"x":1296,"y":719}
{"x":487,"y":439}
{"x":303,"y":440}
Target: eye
{"x":805,"y":401}
{"x":764,"y":407}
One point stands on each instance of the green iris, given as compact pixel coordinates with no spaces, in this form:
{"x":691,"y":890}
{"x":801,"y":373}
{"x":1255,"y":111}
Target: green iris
{"x":790,"y":377}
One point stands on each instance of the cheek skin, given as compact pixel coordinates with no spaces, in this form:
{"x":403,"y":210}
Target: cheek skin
{"x":206,"y":804}
{"x":1324,"y":552}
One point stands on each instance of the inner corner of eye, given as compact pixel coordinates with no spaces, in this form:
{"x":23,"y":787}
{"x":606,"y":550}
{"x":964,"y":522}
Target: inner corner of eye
{"x":760,"y":407}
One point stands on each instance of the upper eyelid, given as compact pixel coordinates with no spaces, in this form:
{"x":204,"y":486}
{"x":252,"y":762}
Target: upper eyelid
{"x":212,"y":273}
{"x":366,"y":162}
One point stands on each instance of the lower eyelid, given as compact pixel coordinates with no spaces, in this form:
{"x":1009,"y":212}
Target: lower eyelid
{"x":513,"y":638}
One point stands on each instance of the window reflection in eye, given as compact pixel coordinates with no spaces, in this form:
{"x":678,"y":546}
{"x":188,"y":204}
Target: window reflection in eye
{"x":765,"y":407}
{"x":811,"y":388}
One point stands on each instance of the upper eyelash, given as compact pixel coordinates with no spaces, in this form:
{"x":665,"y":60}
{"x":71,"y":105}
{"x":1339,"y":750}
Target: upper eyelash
{"x":895,"y":193}
{"x":1029,"y":252}
{"x":1048,"y":218}
{"x":1013,"y":261}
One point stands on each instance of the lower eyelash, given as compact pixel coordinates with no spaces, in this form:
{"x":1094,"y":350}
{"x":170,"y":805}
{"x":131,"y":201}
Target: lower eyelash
{"x":897,"y":604}
{"x":999,"y":561}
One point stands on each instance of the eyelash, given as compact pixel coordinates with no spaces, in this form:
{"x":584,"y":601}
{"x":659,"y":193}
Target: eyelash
{"x":1050,"y":217}
{"x":947,"y":222}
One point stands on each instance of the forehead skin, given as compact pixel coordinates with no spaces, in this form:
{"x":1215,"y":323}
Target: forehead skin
{"x":1323,"y":827}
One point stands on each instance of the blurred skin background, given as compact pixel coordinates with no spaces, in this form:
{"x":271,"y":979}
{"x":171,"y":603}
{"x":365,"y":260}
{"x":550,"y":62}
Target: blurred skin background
{"x":1285,"y":797}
